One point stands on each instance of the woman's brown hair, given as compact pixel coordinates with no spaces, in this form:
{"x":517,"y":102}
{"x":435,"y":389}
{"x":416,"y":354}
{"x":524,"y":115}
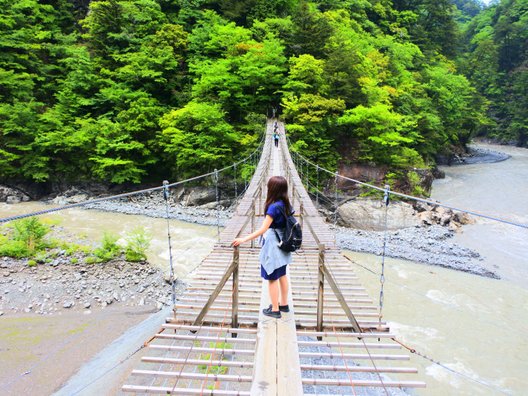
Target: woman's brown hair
{"x":278,"y":191}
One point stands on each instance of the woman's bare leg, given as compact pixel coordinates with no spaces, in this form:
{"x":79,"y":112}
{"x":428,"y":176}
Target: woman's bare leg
{"x":273,"y":287}
{"x":283,"y":282}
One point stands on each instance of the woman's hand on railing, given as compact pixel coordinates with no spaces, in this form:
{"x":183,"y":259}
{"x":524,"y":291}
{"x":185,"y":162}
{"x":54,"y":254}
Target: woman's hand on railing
{"x":238,"y":241}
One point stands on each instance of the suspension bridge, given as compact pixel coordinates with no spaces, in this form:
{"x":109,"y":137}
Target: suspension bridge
{"x":218,"y":342}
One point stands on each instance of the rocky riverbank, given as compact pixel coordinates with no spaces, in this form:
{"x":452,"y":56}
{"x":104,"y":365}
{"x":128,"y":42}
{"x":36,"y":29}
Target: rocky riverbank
{"x":428,"y":245}
{"x":153,"y":205}
{"x":427,"y":241}
{"x":50,"y":288}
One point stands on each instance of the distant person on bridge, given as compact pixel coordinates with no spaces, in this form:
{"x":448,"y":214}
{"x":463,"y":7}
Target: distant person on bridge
{"x":273,"y":261}
{"x":276,"y":139}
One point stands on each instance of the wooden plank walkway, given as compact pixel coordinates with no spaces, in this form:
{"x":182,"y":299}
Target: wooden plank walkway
{"x":332,"y":342}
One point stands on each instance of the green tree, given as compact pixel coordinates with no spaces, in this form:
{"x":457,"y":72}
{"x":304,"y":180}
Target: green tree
{"x":197,"y":139}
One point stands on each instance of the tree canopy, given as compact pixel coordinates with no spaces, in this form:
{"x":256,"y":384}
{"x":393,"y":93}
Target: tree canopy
{"x":143,"y":90}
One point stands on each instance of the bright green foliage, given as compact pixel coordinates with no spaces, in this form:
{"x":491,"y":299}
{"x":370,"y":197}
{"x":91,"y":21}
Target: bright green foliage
{"x":137,"y":243}
{"x":31,"y":232}
{"x":24,"y":238}
{"x":196,"y":137}
{"x":115,"y":26}
{"x":383,"y":136}
{"x":241,"y":74}
{"x":109,"y":248}
{"x":134,"y":91}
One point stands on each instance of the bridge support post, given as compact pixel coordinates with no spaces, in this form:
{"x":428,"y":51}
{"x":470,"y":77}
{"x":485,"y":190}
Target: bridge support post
{"x":230,"y":270}
{"x":253,"y":214}
{"x":234,"y":298}
{"x":341,"y":299}
{"x":320,"y":289}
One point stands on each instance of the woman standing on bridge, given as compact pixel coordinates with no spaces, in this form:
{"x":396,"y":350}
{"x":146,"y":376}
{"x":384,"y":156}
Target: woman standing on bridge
{"x":273,"y":261}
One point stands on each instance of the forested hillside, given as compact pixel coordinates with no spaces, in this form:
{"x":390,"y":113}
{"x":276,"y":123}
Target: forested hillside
{"x":142,"y":90}
{"x":494,"y":56}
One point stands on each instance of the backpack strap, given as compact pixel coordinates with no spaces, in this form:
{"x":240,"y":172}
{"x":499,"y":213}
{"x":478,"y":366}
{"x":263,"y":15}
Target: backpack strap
{"x":285,"y":218}
{"x":278,"y":236}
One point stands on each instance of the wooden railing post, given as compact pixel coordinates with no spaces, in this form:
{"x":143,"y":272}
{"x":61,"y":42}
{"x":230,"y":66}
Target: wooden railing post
{"x":260,"y":209}
{"x":253,"y":222}
{"x":320,"y":289}
{"x":234,"y":313}
{"x":301,"y":210}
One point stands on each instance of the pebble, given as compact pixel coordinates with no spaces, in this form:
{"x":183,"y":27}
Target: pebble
{"x":68,"y":304}
{"x":87,"y":304}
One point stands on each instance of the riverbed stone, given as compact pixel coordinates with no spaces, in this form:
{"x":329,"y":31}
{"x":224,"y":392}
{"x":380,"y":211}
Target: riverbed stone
{"x":12,"y":196}
{"x":199,"y":196}
{"x":370,"y":215}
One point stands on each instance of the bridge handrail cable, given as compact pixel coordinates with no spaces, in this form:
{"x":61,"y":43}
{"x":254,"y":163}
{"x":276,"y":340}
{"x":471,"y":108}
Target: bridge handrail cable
{"x":411,"y":197}
{"x":132,"y":193}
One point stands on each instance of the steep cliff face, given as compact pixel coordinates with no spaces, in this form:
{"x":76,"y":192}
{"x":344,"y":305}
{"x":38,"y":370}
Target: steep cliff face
{"x":415,"y":182}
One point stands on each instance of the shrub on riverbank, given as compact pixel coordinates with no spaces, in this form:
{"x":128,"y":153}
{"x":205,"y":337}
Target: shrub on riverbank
{"x":32,"y":239}
{"x":24,"y":238}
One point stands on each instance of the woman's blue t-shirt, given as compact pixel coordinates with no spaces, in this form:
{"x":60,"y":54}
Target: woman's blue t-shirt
{"x":274,"y":210}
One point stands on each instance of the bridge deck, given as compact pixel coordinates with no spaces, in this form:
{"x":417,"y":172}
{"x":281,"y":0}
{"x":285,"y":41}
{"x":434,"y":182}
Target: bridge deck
{"x":264,"y":356}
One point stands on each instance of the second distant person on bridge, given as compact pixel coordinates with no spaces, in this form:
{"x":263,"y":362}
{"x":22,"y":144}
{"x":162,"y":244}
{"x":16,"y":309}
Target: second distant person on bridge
{"x":273,"y":261}
{"x":276,"y":139}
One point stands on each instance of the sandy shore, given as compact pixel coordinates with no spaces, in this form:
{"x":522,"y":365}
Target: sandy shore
{"x":41,"y":353}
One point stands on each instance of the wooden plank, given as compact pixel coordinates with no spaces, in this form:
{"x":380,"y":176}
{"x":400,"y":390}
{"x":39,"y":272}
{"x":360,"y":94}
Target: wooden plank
{"x":343,"y":334}
{"x":358,"y":356}
{"x":217,"y":329}
{"x":184,"y":337}
{"x":343,"y":344}
{"x":196,"y":362}
{"x":358,"y":369}
{"x":194,"y":376}
{"x":288,"y":363}
{"x":234,"y":297}
{"x":369,"y":383}
{"x":181,"y":391}
{"x":224,"y":351}
{"x":265,"y":365}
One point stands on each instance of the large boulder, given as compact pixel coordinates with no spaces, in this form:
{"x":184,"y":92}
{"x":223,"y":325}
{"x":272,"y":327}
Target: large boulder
{"x":370,"y":215}
{"x":199,"y":196}
{"x":11,"y":195}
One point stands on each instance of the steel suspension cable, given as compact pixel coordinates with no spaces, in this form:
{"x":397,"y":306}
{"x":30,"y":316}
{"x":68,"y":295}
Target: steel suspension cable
{"x":124,"y":195}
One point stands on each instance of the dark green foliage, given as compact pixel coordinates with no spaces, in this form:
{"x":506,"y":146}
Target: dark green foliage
{"x":496,"y":62}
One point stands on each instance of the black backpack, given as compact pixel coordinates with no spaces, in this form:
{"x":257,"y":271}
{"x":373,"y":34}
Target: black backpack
{"x":292,"y":234}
